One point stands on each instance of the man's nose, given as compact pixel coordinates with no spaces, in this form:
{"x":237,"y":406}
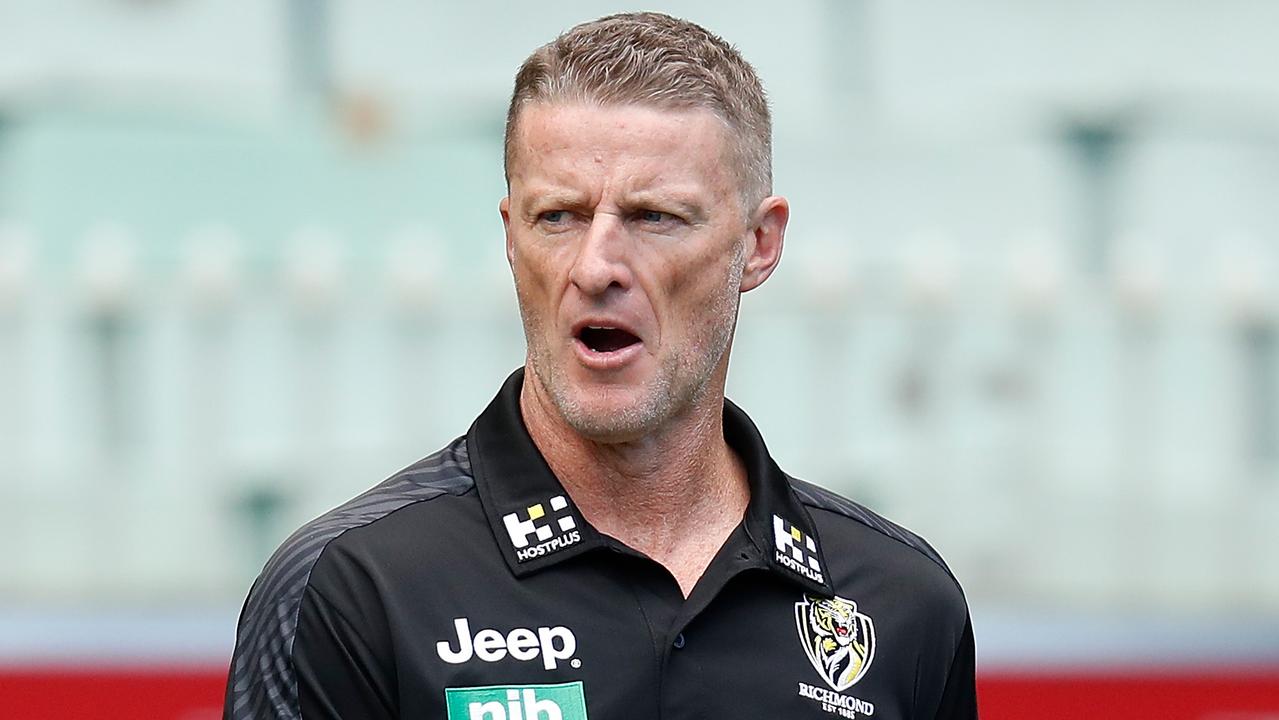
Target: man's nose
{"x":601,"y":260}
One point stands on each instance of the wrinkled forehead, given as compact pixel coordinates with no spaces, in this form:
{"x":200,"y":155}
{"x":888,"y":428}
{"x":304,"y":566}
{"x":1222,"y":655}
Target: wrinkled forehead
{"x":559,"y":142}
{"x":574,"y":116}
{"x":540,"y":124}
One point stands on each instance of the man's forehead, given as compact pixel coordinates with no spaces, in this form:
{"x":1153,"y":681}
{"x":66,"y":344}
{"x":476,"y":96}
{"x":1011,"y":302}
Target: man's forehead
{"x":606,"y":113}
{"x":556,"y":142}
{"x":561,"y":122}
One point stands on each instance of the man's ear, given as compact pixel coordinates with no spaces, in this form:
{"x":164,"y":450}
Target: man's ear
{"x":504,"y":207}
{"x":764,"y":244}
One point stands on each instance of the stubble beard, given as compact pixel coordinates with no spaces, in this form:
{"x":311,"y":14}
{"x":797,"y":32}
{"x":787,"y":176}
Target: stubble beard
{"x":682,"y":381}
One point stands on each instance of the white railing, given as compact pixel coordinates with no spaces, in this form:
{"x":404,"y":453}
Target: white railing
{"x":1064,"y":441}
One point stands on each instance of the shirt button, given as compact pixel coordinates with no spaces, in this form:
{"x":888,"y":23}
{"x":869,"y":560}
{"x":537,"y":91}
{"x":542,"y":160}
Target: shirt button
{"x":679,"y":641}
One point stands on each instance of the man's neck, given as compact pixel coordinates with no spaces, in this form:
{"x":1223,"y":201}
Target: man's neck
{"x":674,"y":495}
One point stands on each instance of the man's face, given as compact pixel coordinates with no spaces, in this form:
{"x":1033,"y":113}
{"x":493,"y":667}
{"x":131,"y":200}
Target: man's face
{"x":627,"y":238}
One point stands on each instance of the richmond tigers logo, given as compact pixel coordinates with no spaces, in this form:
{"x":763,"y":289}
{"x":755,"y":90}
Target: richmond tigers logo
{"x":839,"y":641}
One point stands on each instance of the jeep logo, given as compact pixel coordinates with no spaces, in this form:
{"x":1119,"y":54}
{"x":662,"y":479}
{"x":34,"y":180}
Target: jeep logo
{"x":552,"y":643}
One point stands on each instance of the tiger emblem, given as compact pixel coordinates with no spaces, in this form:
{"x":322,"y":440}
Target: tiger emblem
{"x":839,"y":641}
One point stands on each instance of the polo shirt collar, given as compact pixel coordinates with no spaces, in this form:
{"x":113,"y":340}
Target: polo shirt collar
{"x":536,"y":524}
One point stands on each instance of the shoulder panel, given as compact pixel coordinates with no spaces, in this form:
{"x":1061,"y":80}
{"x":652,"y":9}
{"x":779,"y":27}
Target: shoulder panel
{"x":817,"y":497}
{"x":262,"y":682}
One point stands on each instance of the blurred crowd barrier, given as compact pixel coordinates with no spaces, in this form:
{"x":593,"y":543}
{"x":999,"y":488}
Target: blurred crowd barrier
{"x":251,"y":264}
{"x":1070,"y":443}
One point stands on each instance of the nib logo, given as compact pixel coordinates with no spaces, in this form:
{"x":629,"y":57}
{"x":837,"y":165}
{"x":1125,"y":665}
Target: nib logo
{"x":517,"y":702}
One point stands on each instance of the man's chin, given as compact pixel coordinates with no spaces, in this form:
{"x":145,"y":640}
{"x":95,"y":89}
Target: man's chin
{"x":607,"y":411}
{"x":610,"y":423}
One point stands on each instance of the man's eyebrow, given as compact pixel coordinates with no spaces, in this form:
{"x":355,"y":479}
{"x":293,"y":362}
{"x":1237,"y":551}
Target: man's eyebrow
{"x":550,"y":195}
{"x":681,"y":203}
{"x":685,"y":206}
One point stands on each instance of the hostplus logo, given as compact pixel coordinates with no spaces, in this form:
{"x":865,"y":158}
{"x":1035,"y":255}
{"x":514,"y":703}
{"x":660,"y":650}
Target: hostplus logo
{"x":539,"y":533}
{"x":517,"y":702}
{"x":796,"y":550}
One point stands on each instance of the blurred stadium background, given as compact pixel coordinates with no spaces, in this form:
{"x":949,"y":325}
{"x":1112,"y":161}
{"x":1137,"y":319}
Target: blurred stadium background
{"x":1028,"y":308}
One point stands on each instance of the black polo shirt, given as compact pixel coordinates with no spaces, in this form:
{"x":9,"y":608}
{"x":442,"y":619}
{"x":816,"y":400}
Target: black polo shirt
{"x":468,"y":586}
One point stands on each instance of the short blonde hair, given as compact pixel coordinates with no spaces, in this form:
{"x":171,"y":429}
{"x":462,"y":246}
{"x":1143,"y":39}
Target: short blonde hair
{"x":657,"y":61}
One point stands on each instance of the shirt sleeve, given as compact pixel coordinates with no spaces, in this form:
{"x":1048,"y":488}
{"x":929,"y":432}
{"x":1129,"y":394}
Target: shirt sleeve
{"x":301,"y":655}
{"x":261,"y":684}
{"x":959,"y":697}
{"x":340,"y":674}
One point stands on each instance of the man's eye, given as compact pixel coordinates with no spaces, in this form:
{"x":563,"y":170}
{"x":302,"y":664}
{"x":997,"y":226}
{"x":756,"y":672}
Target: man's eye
{"x":653,"y":216}
{"x":553,"y":216}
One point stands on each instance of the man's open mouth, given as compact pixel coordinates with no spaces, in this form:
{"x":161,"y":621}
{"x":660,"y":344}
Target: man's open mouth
{"x":606,"y":339}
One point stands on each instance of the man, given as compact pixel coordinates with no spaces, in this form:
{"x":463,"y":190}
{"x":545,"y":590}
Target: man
{"x":611,"y":538}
